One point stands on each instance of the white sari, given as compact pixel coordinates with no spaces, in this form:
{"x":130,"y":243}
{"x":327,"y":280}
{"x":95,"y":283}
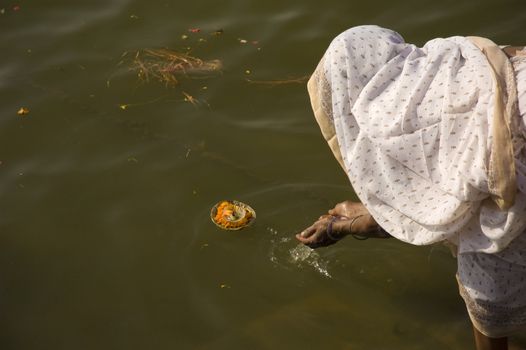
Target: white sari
{"x":429,"y":137}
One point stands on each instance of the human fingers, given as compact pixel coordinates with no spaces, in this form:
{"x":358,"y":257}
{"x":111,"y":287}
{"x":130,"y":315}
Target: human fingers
{"x":314,"y":239}
{"x":315,"y":233}
{"x":319,"y":238}
{"x":304,"y":235}
{"x":334,"y":212}
{"x":348,"y":209}
{"x":339,"y":210}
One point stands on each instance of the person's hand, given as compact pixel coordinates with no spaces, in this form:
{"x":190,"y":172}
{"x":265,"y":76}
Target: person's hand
{"x":348,"y":209}
{"x":318,"y":235}
{"x":366,"y":226}
{"x":345,"y":218}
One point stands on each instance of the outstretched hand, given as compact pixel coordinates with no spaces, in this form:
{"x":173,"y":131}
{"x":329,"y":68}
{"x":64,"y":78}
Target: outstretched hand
{"x":348,"y":209}
{"x":318,"y":235}
{"x":345,"y":218}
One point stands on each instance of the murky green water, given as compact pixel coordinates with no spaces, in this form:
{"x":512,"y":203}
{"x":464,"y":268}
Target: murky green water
{"x":105,"y":237}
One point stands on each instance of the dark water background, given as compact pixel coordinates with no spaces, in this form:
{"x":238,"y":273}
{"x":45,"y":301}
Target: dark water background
{"x":105,"y":237}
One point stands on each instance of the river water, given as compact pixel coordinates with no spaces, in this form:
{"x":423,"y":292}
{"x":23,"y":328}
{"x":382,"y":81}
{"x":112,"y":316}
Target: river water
{"x":106,"y":184}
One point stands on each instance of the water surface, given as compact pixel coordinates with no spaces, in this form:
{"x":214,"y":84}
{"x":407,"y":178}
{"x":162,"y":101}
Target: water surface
{"x":105,"y":238}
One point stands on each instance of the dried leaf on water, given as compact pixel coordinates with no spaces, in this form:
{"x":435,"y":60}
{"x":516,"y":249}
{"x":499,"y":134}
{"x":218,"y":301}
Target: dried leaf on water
{"x":126,"y":106}
{"x":194,"y":101}
{"x":189,"y":98}
{"x":22,"y":111}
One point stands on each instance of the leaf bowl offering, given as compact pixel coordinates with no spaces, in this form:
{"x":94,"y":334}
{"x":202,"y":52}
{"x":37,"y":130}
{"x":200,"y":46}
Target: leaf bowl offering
{"x":232,"y":215}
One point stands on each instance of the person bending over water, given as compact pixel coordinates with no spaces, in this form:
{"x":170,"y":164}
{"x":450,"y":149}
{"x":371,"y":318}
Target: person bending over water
{"x":433,"y":141}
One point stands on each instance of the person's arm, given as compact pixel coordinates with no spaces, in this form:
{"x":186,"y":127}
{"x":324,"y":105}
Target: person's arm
{"x":511,"y":51}
{"x":365,"y":225}
{"x":346,"y":218}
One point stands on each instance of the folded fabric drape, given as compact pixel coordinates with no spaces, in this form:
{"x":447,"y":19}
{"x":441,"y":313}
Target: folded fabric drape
{"x":429,"y":137}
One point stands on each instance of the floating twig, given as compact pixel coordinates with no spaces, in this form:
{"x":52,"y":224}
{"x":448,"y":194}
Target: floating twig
{"x":300,"y":80}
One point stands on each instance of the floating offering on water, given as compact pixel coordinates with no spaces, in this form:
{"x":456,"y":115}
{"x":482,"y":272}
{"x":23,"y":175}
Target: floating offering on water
{"x":232,"y":215}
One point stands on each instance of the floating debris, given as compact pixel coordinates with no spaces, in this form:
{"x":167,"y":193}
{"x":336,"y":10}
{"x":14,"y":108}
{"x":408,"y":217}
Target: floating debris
{"x":232,"y":215}
{"x":300,"y":80}
{"x":218,"y":32}
{"x":194,"y":101}
{"x":166,"y":65}
{"x":22,"y":111}
{"x":194,"y":30}
{"x":189,"y":98}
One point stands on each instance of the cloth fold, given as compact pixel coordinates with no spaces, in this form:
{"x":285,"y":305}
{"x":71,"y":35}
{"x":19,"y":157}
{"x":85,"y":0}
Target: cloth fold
{"x":501,"y":172}
{"x":429,"y":137}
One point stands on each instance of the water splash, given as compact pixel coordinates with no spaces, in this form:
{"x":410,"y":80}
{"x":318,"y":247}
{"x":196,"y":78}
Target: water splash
{"x":303,"y":255}
{"x":299,"y":256}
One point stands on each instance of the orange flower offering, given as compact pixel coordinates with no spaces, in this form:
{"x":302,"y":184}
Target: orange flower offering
{"x":232,"y":215}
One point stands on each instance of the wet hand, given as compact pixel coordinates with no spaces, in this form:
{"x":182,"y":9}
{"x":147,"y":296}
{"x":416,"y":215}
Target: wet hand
{"x":366,"y":226}
{"x":348,"y":209}
{"x":329,"y":229}
{"x":326,"y":231}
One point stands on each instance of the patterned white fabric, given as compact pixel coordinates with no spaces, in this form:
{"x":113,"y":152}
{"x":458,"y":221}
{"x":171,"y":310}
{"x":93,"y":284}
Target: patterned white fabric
{"x":413,"y":125}
{"x":494,"y":285}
